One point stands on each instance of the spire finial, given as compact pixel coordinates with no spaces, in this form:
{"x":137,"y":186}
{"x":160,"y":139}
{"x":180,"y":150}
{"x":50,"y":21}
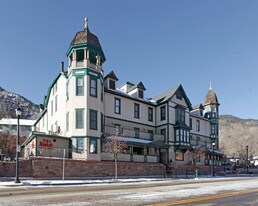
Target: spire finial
{"x":86,"y":22}
{"x":210,"y":85}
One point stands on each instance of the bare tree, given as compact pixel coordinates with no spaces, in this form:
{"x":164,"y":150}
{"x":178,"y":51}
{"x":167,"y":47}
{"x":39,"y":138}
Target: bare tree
{"x":7,"y":143}
{"x":198,"y":152}
{"x":114,"y":145}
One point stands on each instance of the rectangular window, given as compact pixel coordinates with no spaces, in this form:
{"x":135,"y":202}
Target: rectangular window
{"x":163,"y":132}
{"x":181,"y":135}
{"x":177,"y":135}
{"x":67,"y":90}
{"x":79,"y":115}
{"x":151,"y":135}
{"x":80,"y":55}
{"x":136,"y":111}
{"x":197,"y":141}
{"x":180,"y":114}
{"x":112,"y":84}
{"x":137,"y":132}
{"x":67,"y":121}
{"x":140,"y":94}
{"x":102,"y":122}
{"x":79,"y":86}
{"x":117,"y":128}
{"x":79,"y":145}
{"x":52,"y":107}
{"x":179,"y":155}
{"x":213,"y":129}
{"x":56,"y":103}
{"x":93,"y":87}
{"x":102,"y":92}
{"x":117,"y":106}
{"x":191,"y":123}
{"x":151,"y":151}
{"x":93,"y":119}
{"x":198,"y":124}
{"x":162,"y":113}
{"x":93,"y":146}
{"x":150,"y":114}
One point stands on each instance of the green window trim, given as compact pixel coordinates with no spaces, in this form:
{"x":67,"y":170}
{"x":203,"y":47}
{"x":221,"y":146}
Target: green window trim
{"x":150,"y":114}
{"x":163,"y":132}
{"x":93,"y":146}
{"x":93,"y":119}
{"x":162,"y":113}
{"x":102,"y":92}
{"x":79,"y":118}
{"x":93,"y":87}
{"x":136,"y":110}
{"x":198,"y":125}
{"x":137,"y":132}
{"x":80,"y":145}
{"x":79,"y":86}
{"x":102,"y":122}
{"x":117,"y":108}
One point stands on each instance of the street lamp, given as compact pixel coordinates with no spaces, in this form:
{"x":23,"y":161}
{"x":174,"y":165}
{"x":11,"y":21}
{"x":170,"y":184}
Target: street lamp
{"x":247,"y":158}
{"x":18,"y":115}
{"x":213,"y":147}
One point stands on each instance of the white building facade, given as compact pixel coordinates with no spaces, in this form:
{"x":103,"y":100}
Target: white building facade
{"x":83,"y":107}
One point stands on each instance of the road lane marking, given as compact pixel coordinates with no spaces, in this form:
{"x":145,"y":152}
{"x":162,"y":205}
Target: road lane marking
{"x":205,"y":198}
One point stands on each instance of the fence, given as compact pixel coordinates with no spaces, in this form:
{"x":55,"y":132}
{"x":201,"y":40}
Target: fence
{"x":189,"y":172}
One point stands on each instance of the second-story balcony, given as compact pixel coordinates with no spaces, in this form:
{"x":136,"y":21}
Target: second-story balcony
{"x":112,"y":131}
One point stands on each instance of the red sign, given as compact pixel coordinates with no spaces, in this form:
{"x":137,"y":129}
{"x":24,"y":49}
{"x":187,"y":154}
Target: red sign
{"x":46,"y":143}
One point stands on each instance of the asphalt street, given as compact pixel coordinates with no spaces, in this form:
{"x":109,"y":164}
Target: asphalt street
{"x":233,"y":191}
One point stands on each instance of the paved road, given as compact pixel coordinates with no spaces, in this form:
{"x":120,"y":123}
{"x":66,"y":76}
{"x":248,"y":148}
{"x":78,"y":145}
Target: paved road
{"x":162,"y":192}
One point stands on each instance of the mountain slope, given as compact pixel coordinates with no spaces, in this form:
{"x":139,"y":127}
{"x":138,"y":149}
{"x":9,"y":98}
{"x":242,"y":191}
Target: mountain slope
{"x":236,"y":133}
{"x":9,"y":102}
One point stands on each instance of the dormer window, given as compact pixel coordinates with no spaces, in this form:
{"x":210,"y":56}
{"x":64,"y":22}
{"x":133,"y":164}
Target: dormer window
{"x":112,"y":84}
{"x":140,"y":94}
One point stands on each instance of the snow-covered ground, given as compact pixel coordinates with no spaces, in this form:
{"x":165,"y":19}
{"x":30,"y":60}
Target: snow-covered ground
{"x":173,"y":189}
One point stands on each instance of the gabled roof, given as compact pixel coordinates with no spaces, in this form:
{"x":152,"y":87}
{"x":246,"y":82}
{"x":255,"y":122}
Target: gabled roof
{"x":198,"y":106}
{"x":61,"y":73}
{"x":166,"y":96}
{"x":141,"y":86}
{"x":111,"y":75}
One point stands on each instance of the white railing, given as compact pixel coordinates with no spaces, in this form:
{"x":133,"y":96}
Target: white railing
{"x":152,"y":158}
{"x":110,"y":157}
{"x":110,"y":131}
{"x":80,"y":64}
{"x":138,"y":158}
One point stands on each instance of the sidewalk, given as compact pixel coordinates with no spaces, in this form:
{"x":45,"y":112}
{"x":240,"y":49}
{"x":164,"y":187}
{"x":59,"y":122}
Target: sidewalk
{"x":27,"y":182}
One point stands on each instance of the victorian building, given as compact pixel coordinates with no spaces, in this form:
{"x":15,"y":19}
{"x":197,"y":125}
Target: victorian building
{"x":83,"y":107}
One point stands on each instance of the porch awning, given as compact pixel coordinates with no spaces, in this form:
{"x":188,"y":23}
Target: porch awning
{"x":140,"y":142}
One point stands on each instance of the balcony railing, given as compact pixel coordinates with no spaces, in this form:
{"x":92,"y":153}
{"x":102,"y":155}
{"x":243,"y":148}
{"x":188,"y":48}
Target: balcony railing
{"x":110,"y":131}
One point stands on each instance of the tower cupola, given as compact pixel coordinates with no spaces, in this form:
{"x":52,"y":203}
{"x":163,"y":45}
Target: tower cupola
{"x":85,"y":51}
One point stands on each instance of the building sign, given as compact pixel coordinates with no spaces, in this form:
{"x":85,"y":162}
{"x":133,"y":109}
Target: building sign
{"x":46,"y":143}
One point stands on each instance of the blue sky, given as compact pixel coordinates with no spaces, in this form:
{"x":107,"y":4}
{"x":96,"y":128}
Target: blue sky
{"x":161,"y":43}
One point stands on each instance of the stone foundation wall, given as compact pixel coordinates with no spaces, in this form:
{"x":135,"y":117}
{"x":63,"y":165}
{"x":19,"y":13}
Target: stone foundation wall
{"x":7,"y":169}
{"x":53,"y":168}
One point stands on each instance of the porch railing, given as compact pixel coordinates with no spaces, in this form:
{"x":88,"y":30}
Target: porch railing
{"x":110,"y":131}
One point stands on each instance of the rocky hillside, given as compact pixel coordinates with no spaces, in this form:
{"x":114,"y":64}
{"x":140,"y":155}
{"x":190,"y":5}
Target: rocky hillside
{"x":236,"y":134}
{"x":10,"y":101}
